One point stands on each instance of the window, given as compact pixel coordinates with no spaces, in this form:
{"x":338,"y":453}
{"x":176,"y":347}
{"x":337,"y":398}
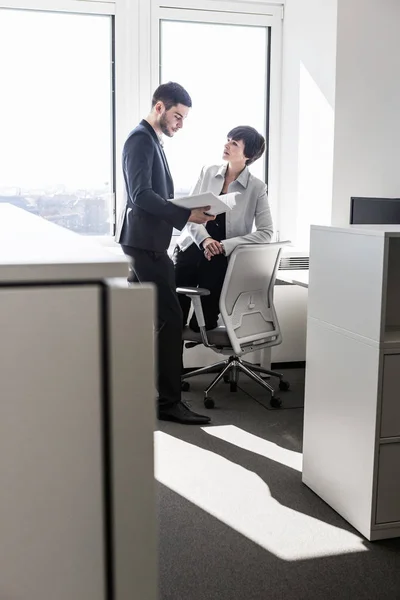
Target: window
{"x":230,"y":64}
{"x":227,"y":90}
{"x":56,"y":117}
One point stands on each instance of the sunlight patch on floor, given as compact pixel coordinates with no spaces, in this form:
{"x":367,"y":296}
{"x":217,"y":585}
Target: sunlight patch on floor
{"x":242,"y":500}
{"x":243,"y":439}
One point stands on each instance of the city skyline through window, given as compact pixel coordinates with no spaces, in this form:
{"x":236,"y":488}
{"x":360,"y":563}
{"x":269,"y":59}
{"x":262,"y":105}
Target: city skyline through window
{"x":56,"y":143}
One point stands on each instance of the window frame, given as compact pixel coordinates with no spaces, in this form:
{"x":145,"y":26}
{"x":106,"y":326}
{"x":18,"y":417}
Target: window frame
{"x":233,"y":13}
{"x":86,"y":7}
{"x":136,"y":45}
{"x":91,"y":7}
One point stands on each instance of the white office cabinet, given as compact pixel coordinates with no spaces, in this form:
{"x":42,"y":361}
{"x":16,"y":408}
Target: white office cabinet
{"x":352,"y":397}
{"x":77,"y":416}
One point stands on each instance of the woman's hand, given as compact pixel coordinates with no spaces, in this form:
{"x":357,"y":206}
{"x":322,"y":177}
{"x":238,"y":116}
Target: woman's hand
{"x":211,"y":248}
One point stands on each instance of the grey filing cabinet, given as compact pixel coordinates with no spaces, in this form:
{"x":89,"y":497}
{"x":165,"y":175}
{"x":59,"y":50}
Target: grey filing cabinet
{"x":352,"y":395}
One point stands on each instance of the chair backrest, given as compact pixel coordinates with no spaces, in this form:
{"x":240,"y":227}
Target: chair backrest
{"x":246,"y":301}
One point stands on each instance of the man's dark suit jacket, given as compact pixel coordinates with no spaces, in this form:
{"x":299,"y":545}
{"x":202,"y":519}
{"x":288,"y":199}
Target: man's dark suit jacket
{"x":148,"y":217}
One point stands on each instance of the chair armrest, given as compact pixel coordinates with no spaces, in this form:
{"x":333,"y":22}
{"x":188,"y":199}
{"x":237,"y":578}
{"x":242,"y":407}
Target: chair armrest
{"x":192,"y":291}
{"x":195,"y":294}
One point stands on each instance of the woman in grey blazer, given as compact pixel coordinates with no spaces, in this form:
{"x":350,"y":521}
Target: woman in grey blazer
{"x":201,"y":254}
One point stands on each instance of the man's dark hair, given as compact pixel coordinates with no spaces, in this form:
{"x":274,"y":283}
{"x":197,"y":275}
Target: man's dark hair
{"x":171,"y":94}
{"x":254,"y":143}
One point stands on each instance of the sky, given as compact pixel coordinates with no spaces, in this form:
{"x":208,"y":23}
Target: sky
{"x":224,"y":69}
{"x":55,"y":101}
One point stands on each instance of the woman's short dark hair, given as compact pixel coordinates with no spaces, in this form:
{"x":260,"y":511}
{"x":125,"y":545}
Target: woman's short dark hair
{"x":171,"y":94}
{"x":254,"y":143}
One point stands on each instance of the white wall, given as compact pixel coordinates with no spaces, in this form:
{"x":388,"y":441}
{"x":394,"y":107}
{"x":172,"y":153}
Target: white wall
{"x":308,"y":99}
{"x":367,"y":128}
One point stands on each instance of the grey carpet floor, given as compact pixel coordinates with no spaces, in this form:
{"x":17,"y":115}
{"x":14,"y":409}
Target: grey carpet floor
{"x":235,"y":520}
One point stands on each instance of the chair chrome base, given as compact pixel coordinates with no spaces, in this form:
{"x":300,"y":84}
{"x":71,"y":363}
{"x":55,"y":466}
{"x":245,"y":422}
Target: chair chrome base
{"x":231,"y":368}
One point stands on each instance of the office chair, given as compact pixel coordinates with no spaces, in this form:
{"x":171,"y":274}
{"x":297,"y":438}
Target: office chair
{"x":249,"y":317}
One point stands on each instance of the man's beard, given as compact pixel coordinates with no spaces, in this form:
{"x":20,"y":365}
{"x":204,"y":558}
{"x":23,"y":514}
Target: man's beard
{"x":164,"y":126}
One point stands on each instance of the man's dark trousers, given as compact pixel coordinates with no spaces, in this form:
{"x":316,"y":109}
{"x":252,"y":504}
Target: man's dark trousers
{"x":158,"y":268}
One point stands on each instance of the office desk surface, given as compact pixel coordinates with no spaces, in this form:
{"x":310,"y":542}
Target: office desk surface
{"x":297,"y":277}
{"x":33,"y":249}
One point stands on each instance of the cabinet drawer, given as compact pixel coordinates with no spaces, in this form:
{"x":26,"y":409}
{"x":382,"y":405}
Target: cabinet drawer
{"x":390,"y":423}
{"x":388,"y":499}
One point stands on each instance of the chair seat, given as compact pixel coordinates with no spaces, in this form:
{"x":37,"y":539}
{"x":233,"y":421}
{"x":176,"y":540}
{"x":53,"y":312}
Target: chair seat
{"x":217,"y":336}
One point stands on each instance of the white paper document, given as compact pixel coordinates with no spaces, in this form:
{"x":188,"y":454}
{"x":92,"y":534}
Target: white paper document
{"x":219,"y":204}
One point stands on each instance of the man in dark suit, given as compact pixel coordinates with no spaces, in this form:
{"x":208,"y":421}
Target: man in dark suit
{"x":145,"y":234}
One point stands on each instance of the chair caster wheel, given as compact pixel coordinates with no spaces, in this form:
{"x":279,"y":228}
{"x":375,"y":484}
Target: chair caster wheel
{"x":284,"y":385}
{"x":185,"y":386}
{"x":233,"y":386}
{"x":209,"y":403}
{"x":275,"y":402}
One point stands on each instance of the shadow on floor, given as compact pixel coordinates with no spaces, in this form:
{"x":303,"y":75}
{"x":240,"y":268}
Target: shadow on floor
{"x":202,"y":557}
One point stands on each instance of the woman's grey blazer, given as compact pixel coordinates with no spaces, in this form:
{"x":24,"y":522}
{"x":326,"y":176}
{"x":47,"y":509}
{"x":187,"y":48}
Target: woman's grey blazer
{"x":251,"y":206}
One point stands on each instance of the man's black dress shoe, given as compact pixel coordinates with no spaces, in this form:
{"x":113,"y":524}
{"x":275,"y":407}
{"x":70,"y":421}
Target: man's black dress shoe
{"x":180,"y":413}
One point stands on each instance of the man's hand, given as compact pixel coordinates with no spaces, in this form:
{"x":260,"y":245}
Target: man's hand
{"x":197,"y":215}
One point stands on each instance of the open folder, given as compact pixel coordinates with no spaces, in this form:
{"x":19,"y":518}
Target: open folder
{"x":219,"y":204}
